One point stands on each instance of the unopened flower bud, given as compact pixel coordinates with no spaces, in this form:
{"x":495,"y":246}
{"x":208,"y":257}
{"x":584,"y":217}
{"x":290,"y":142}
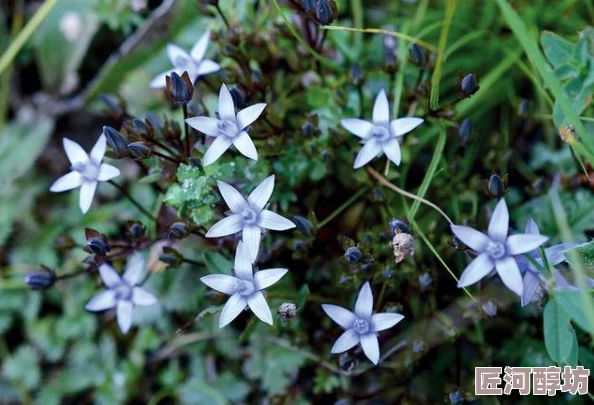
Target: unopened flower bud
{"x":465,"y":132}
{"x":179,"y":230}
{"x":139,"y":150}
{"x":326,"y":11}
{"x":356,"y":75}
{"x":366,"y":268}
{"x":347,"y":362}
{"x":397,"y":226}
{"x":171,"y":256}
{"x":496,"y":186}
{"x":40,"y":279}
{"x":303,"y":225}
{"x":417,"y":54}
{"x":98,"y":246}
{"x":179,"y":88}
{"x":353,"y":255}
{"x":468,"y":85}
{"x":115,"y":140}
{"x":287,"y":311}
{"x":135,"y":229}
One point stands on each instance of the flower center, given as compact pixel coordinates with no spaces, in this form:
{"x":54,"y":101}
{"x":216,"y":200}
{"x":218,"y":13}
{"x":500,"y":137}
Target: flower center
{"x":245,"y":288}
{"x":227,"y":128}
{"x":249,"y":216}
{"x":496,"y":250}
{"x":89,"y":171}
{"x":123,"y":292}
{"x":361,"y":326}
{"x":381,"y":133}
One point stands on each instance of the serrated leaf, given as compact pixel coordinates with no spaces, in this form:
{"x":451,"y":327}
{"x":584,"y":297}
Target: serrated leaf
{"x":558,"y":333}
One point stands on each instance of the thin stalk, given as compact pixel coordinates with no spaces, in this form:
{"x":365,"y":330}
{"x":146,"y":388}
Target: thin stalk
{"x":443,"y":41}
{"x":187,"y":131}
{"x":169,"y":158}
{"x":222,"y":15}
{"x":342,"y":207}
{"x":405,"y":193}
{"x":132,"y":200}
{"x":17,"y":24}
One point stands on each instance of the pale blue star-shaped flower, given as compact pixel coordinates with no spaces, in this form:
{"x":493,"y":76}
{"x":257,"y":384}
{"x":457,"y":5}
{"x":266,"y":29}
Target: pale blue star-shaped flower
{"x":87,"y":171}
{"x":122,"y":292}
{"x":533,"y":278}
{"x":193,"y":62}
{"x":381,"y":136}
{"x":249,"y":216}
{"x":245,"y":288}
{"x":362,"y":325}
{"x":496,"y":249}
{"x":229,"y":129}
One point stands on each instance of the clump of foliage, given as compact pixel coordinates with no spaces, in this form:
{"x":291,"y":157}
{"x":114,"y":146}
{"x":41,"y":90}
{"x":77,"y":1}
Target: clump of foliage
{"x":426,"y":164}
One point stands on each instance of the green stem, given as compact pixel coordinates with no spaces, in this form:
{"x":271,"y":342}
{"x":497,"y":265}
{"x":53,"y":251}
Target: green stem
{"x":443,"y":41}
{"x":342,"y":207}
{"x":132,"y":200}
{"x":25,"y":34}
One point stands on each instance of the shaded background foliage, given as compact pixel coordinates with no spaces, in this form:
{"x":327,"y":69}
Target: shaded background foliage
{"x":54,"y":352}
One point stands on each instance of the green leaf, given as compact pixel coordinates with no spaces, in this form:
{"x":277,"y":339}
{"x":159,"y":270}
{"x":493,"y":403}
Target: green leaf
{"x":570,"y":302}
{"x":217,"y":263}
{"x":557,"y":49}
{"x":585,"y":254}
{"x":23,"y":367}
{"x":302,"y":296}
{"x":558,"y":333}
{"x":199,"y":392}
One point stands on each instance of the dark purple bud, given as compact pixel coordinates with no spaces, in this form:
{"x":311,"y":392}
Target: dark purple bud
{"x":115,"y":140}
{"x":465,"y":132}
{"x":98,"y":246}
{"x":469,"y":85}
{"x":238,"y":97}
{"x":496,"y":186}
{"x":308,"y":129}
{"x":139,"y":150}
{"x":324,"y":12}
{"x":417,"y":54}
{"x":309,"y":5}
{"x":347,"y":362}
{"x":356,"y":75}
{"x":366,"y":268}
{"x":397,"y":225}
{"x":135,"y":229}
{"x":179,"y":88}
{"x":353,"y":255}
{"x":41,"y":279}
{"x":303,"y":225}
{"x":179,"y":230}
{"x":171,"y":257}
{"x":387,"y":273}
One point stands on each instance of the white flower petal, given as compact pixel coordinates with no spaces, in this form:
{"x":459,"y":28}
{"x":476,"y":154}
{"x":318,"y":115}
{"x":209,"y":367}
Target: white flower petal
{"x":110,"y":277}
{"x":160,"y":81}
{"x":243,"y":263}
{"x":524,"y":243}
{"x":87,"y":191}
{"x":232,"y":197}
{"x":107,"y":172}
{"x":208,"y":66}
{"x":340,"y":315}
{"x":477,"y":269}
{"x":358,"y":127}
{"x":261,"y":194}
{"x":226,"y":226}
{"x":384,"y":320}
{"x":402,"y":126}
{"x":368,"y":152}
{"x":134,"y":269}
{"x":245,"y":145}
{"x":508,"y":270}
{"x":531,"y":283}
{"x":206,"y":125}
{"x":67,"y":182}
{"x":124,"y":313}
{"x":472,"y":238}
{"x":392,"y":151}
{"x":499,"y":223}
{"x":266,"y":278}
{"x":98,"y":150}
{"x":370,"y":347}
{"x":251,"y":240}
{"x":143,"y":297}
{"x":75,"y":152}
{"x":364,"y":304}
{"x":102,"y":301}
{"x":381,"y":108}
{"x":221,"y":282}
{"x":226,"y":106}
{"x":259,"y":307}
{"x":274,"y":221}
{"x":248,"y":115}
{"x":234,"y":306}
{"x":532,"y":227}
{"x":199,"y":49}
{"x":346,"y":341}
{"x":178,"y":57}
{"x":216,"y":149}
